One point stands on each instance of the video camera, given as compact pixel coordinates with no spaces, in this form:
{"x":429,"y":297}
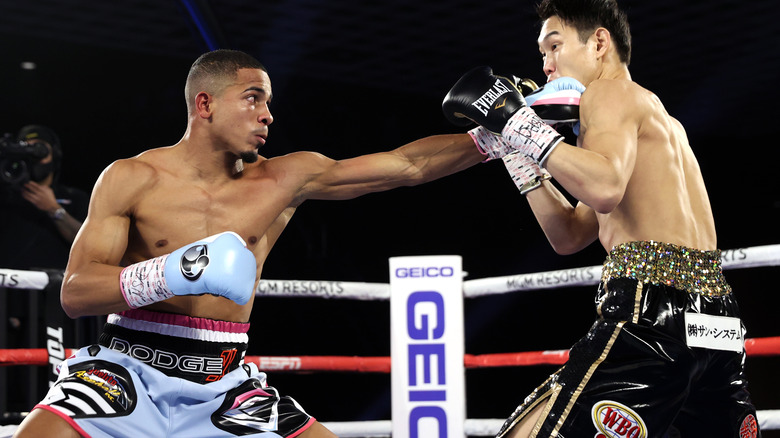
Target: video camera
{"x":17,"y":159}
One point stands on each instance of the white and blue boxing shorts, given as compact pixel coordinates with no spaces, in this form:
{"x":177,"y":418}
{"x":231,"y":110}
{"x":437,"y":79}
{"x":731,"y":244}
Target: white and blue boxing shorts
{"x":102,"y":392}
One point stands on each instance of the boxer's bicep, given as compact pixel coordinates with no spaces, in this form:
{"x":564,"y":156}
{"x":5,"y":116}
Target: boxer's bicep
{"x":91,"y":280}
{"x":104,"y":235}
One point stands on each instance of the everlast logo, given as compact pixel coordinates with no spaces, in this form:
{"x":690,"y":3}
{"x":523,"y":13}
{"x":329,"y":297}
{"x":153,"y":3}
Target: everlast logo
{"x":615,"y":420}
{"x":484,"y":103}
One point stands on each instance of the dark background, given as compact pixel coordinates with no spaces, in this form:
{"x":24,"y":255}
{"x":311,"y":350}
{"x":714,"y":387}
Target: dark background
{"x":351,"y":78}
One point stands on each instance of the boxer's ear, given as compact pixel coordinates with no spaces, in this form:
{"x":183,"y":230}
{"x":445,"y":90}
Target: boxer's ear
{"x":203,"y":104}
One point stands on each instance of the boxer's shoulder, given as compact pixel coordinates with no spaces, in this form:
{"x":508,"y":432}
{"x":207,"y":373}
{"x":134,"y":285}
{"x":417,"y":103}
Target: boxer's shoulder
{"x":610,"y":100}
{"x":124,"y":183}
{"x":615,"y":91}
{"x":131,"y":172}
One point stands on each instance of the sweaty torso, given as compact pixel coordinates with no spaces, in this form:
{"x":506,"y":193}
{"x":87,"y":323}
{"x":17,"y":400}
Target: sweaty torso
{"x":665,"y":199}
{"x":176,"y":210}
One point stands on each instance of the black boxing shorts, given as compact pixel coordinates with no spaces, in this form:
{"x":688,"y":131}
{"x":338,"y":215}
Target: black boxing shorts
{"x":665,"y":358}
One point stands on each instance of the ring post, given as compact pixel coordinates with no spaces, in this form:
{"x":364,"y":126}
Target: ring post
{"x":427,"y":347}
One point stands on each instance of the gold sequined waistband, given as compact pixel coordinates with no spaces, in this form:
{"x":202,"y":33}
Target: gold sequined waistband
{"x":659,"y":263}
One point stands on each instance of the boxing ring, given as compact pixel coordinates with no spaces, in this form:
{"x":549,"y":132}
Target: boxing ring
{"x":741,"y":258}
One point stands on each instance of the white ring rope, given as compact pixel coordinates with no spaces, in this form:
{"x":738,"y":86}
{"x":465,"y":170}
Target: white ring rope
{"x":324,"y":289}
{"x":16,"y":279}
{"x":741,"y":258}
{"x":383,"y":428}
{"x":758,"y":256}
{"x":767,"y":420}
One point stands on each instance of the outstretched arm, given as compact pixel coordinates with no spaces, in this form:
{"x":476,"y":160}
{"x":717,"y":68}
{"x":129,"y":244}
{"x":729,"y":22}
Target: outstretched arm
{"x":414,"y":163}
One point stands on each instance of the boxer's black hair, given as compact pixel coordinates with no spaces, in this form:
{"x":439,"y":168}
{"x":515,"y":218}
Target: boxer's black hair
{"x":588,"y":15}
{"x":216,"y":65}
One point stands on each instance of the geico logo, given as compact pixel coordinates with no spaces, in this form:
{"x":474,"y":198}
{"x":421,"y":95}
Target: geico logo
{"x":419,"y":272}
{"x":166,"y":359}
{"x":425,"y":315}
{"x":419,"y":413}
{"x":426,"y":370}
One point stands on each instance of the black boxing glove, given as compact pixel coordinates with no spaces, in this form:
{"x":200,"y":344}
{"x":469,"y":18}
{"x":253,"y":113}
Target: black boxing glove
{"x":480,"y":96}
{"x":493,"y":102}
{"x":526,"y":86}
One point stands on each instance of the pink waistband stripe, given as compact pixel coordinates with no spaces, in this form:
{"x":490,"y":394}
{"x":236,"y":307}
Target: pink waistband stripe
{"x":186,"y":321}
{"x":182,"y":326}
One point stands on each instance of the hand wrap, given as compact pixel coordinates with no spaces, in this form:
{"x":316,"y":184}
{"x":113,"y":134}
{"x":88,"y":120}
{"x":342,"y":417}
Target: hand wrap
{"x":525,"y":132}
{"x":525,"y":172}
{"x":144,"y":283}
{"x":490,"y":144}
{"x":219,"y":265}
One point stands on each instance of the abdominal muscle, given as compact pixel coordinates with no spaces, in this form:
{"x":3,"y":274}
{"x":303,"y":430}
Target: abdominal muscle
{"x":205,"y":306}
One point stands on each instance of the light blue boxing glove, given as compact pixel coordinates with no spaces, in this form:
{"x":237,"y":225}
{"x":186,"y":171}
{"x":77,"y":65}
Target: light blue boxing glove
{"x":558,"y":102}
{"x":219,"y":265}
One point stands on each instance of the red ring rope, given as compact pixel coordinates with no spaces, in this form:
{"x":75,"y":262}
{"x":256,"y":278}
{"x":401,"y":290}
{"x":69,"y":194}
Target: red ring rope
{"x":754,"y":347}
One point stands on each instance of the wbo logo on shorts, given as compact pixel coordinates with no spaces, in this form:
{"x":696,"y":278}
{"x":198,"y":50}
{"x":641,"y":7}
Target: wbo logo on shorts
{"x":615,"y":420}
{"x":749,"y":427}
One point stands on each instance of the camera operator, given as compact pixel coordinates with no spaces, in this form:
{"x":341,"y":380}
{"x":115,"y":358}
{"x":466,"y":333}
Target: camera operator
{"x":39,"y":217}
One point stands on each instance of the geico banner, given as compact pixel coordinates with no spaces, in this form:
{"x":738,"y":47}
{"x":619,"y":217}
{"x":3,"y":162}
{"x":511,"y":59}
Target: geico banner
{"x":427,"y":346}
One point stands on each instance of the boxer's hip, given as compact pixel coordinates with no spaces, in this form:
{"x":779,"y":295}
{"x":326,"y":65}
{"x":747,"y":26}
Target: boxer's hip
{"x":197,"y":349}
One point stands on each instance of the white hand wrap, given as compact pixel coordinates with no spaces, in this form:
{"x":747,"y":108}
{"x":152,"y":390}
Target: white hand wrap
{"x":525,"y":132}
{"x":490,"y":144}
{"x":525,"y":172}
{"x":144,"y":283}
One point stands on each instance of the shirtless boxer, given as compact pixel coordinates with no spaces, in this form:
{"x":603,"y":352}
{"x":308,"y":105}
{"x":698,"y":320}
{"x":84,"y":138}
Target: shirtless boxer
{"x":171,"y":249}
{"x":666,"y":356}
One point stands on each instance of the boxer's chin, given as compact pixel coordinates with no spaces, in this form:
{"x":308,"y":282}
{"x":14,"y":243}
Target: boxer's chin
{"x":248,"y":157}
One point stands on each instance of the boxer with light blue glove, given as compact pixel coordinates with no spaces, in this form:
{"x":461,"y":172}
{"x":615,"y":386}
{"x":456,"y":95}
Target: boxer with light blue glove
{"x":219,"y":265}
{"x":558,"y":102}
